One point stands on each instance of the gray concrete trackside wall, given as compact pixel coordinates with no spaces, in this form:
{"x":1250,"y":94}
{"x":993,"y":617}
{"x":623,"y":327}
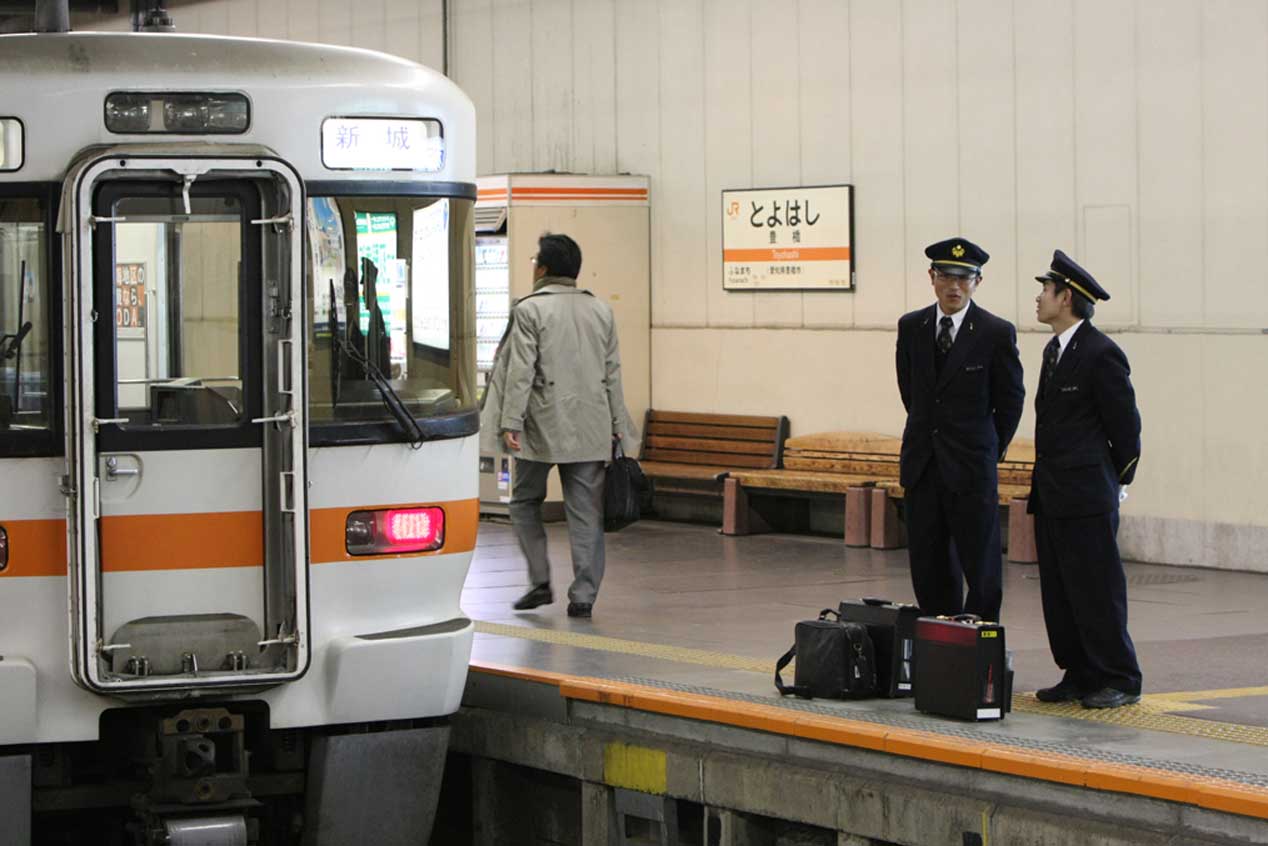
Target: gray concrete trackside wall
{"x":867,"y":797}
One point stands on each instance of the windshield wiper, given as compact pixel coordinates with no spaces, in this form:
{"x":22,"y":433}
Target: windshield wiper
{"x":389,"y":396}
{"x":10,"y":344}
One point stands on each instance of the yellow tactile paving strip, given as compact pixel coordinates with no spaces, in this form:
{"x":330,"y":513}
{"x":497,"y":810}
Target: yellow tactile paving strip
{"x":1153,"y":712}
{"x":628,"y":647}
{"x":1215,"y":794}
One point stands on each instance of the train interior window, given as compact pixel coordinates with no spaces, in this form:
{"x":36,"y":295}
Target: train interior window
{"x":386,"y":299}
{"x":25,"y":399}
{"x":178,"y":335}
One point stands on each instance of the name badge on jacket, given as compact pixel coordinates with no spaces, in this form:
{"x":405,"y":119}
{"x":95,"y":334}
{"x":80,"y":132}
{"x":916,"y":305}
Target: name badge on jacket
{"x":1069,"y":389}
{"x":973,"y":368}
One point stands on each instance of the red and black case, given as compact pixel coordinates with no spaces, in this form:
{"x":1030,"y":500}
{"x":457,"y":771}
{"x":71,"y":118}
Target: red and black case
{"x":961,"y":668}
{"x":892,"y":627}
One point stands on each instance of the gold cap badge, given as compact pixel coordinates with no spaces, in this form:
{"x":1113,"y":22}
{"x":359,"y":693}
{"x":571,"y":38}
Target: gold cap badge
{"x":958,"y":251}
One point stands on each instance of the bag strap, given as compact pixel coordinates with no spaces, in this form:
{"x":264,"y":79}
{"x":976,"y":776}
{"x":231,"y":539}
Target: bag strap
{"x":785,"y":689}
{"x":823,"y":615}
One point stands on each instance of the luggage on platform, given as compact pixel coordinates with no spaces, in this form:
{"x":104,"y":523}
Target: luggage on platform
{"x":835,"y":660}
{"x":892,"y":627}
{"x":962,"y":668}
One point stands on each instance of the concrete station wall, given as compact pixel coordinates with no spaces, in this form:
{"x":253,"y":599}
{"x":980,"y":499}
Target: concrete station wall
{"x":1131,"y":133}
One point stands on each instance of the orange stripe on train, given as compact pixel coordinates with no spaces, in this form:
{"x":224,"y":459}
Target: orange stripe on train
{"x":208,"y":541}
{"x":182,"y":541}
{"x":36,"y":548}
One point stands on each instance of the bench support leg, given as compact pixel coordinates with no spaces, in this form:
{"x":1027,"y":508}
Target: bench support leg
{"x":738,"y":517}
{"x":1021,"y":533}
{"x":858,"y":517}
{"x":888,"y":532}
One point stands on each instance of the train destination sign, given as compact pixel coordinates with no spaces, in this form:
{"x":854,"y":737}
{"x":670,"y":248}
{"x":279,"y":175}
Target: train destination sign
{"x":382,"y":144}
{"x":788,"y":239}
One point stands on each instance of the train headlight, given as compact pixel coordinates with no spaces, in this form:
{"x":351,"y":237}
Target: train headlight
{"x":187,"y":113}
{"x":395,"y":530}
{"x":4,"y":549}
{"x":128,"y":113}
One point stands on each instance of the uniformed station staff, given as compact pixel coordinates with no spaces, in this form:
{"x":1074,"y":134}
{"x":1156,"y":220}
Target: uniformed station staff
{"x":960,"y":378}
{"x":1087,"y":442}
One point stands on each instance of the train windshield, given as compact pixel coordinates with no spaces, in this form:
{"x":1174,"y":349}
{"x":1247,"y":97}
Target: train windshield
{"x":25,"y":401}
{"x":391,"y":315}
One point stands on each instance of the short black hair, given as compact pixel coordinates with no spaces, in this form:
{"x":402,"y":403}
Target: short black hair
{"x":559,"y":254}
{"x":1080,"y":305}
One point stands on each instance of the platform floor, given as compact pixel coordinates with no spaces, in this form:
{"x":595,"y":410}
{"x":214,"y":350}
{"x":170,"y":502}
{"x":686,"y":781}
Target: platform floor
{"x":684,"y":608}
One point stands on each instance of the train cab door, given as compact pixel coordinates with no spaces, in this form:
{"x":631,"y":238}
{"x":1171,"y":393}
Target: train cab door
{"x":187,"y":426}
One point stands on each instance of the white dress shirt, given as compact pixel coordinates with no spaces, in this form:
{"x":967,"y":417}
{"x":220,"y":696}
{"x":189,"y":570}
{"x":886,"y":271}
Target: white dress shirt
{"x":1063,"y":340}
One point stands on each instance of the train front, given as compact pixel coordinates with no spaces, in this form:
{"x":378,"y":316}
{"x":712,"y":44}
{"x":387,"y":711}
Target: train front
{"x":256,"y":378}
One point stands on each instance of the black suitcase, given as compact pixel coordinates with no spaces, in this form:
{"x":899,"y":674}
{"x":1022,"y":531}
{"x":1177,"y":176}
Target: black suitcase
{"x":892,"y":627}
{"x":961,"y":668}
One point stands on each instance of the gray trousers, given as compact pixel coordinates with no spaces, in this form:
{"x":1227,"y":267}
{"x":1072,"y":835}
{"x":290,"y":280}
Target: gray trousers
{"x":583,"y":506}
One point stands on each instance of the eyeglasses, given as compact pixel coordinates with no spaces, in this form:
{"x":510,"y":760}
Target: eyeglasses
{"x":951,"y":278}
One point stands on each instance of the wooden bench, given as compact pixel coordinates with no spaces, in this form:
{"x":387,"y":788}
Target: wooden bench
{"x":864,"y":467}
{"x":686,"y":453}
{"x":849,"y":464}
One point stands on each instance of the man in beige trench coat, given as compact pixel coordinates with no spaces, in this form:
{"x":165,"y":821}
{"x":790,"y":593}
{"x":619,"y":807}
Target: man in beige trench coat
{"x":555,"y":398}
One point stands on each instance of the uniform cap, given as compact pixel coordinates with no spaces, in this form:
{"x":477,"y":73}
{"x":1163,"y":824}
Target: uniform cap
{"x":957,"y":256}
{"x":1066,"y":271}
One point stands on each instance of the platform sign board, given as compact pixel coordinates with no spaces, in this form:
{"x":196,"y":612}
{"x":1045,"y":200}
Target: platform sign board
{"x":798,"y":238}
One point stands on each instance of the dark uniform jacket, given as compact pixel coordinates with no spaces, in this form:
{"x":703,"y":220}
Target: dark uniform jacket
{"x":1087,"y":429}
{"x":964,"y":417}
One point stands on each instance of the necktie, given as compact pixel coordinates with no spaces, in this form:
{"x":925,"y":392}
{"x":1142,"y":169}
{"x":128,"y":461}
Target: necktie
{"x":944,"y":335}
{"x":1050,"y":354}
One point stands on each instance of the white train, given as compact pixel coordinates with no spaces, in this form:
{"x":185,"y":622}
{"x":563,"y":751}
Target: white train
{"x":238,"y":453}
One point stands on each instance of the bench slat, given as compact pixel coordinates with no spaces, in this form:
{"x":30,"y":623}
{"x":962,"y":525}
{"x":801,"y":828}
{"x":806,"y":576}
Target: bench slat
{"x":701,"y":444}
{"x":695,"y":430}
{"x":677,"y":470}
{"x":846,"y":442}
{"x":800,"y":481}
{"x":882,"y":469}
{"x":712,"y":419}
{"x":723,"y":458}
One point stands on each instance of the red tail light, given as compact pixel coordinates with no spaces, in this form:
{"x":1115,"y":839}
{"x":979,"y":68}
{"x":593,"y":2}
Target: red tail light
{"x":396,"y":530}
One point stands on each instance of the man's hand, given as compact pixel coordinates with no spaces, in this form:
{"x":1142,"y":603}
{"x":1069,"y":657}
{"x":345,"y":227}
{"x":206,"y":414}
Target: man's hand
{"x":511,"y":440}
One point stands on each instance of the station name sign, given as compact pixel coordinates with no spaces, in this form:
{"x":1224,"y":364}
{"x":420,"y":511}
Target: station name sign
{"x":371,"y":143}
{"x":788,"y":239}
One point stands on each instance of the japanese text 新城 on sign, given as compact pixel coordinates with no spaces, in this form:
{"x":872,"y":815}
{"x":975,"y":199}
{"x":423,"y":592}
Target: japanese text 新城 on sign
{"x":788,"y":238}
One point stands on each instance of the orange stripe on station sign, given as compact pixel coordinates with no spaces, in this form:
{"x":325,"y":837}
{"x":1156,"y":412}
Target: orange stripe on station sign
{"x":326,"y":527}
{"x":182,"y":541}
{"x":789,"y":254}
{"x":36,"y":548}
{"x":547,"y":192}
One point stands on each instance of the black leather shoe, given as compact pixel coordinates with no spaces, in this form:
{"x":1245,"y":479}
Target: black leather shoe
{"x":579,"y":609}
{"x":1108,"y":697}
{"x":1063,"y":691}
{"x":540,"y":595}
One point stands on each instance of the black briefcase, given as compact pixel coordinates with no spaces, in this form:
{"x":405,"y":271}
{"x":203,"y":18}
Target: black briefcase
{"x":961,"y":668}
{"x":892,"y":627}
{"x":834,"y":660}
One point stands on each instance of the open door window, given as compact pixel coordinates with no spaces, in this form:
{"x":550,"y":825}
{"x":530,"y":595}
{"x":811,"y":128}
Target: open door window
{"x":187,"y":435}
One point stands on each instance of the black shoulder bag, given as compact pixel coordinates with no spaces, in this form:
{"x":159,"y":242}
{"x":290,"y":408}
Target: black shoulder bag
{"x":835,"y":660}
